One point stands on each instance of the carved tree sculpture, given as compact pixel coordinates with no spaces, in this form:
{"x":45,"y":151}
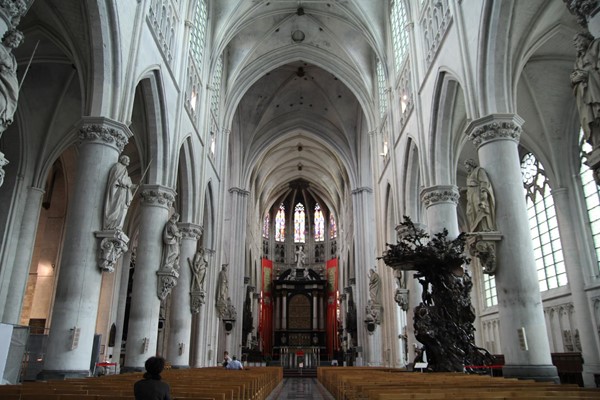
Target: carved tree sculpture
{"x":443,"y":321}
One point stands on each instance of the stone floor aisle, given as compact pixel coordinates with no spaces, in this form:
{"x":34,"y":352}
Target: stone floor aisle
{"x":300,"y":389}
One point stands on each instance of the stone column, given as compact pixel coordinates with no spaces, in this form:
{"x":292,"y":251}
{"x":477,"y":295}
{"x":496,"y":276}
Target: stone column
{"x":522,"y":326}
{"x":440,"y":202}
{"x":25,"y":245}
{"x":178,"y":351}
{"x":121,"y":305}
{"x":362,"y":204}
{"x":145,"y":305}
{"x":237,"y":261}
{"x":78,"y":288}
{"x":575,"y":274}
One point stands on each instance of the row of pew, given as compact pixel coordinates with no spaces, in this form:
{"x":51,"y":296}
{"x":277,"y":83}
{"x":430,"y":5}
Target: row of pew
{"x":186,"y":384}
{"x":354,"y":383}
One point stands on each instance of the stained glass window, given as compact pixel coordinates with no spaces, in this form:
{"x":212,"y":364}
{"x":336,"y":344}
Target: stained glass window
{"x":332,"y":227}
{"x":547,"y":248}
{"x":198,"y":32}
{"x":489,"y":290}
{"x":319,"y":224}
{"x":265,"y":231}
{"x":280,"y":224}
{"x":299,"y":224}
{"x":216,"y":87}
{"x":399,"y":21}
{"x":382,"y":90}
{"x":592,"y":196}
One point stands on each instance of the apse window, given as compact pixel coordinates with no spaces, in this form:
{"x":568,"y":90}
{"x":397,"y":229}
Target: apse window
{"x":541,"y":213}
{"x":592,"y":196}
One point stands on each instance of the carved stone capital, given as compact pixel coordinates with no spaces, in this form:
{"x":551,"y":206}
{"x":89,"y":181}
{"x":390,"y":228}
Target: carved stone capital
{"x":495,"y":127}
{"x":483,"y":246}
{"x":113,"y":244}
{"x":104,"y":131}
{"x":167,"y":280}
{"x":439,"y":194}
{"x":190,"y":231}
{"x":156,"y":195}
{"x":196,"y":300}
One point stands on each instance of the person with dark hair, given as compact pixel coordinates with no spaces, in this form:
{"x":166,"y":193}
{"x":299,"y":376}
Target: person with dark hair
{"x":151,"y":387}
{"x":234,"y":364}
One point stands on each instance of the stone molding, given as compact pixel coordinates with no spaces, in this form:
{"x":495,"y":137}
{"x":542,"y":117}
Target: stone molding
{"x":190,"y":231}
{"x":495,"y":127}
{"x":157,"y":195}
{"x":196,"y":300}
{"x":483,"y":246}
{"x":167,"y":280}
{"x":440,"y":194}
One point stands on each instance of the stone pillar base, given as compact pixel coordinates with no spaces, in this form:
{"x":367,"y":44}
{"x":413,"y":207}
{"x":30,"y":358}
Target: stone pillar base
{"x":125,"y":369}
{"x":53,"y":375}
{"x":180,"y":367}
{"x":539,"y":373}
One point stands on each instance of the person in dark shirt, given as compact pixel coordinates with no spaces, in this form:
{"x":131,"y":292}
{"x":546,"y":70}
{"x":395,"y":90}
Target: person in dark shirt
{"x":151,"y":387}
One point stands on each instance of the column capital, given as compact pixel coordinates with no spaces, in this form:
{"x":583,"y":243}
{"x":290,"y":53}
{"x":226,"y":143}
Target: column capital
{"x":157,"y":195}
{"x":239,"y":191}
{"x":495,"y":127}
{"x":362,"y":189}
{"x":440,"y":194}
{"x":104,"y":131}
{"x":190,"y":231}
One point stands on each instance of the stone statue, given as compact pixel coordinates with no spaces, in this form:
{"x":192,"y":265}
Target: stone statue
{"x":222,"y":288}
{"x":171,"y":240}
{"x":198,"y":267}
{"x":300,"y":258}
{"x":118,"y":195}
{"x":9,"y":85}
{"x":374,"y":287}
{"x":481,"y":203}
{"x":585,"y":80}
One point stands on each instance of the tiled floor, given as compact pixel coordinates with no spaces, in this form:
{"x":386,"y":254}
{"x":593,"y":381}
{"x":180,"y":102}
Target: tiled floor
{"x":300,"y":389}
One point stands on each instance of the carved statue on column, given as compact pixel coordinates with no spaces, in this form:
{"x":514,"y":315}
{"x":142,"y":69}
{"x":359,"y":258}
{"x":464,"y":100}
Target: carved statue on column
{"x":481,"y":203}
{"x":300,"y":257}
{"x":168,"y":274}
{"x":198,"y":266}
{"x":9,"y":85}
{"x":222,"y":290}
{"x":172,"y":240}
{"x":585,"y":80}
{"x":118,"y":195}
{"x":374,"y":286}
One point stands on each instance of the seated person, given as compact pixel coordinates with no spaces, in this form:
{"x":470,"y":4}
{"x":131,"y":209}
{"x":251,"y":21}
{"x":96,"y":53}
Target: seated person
{"x":151,"y":387}
{"x":234,"y":364}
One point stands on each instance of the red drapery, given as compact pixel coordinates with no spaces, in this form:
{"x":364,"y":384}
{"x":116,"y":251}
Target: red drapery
{"x":332,"y":295}
{"x":266,"y":310}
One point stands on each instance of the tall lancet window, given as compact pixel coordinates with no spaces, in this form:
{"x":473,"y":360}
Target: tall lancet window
{"x":382,"y":89}
{"x":332,"y":227}
{"x":266,"y":221}
{"x":399,"y":32}
{"x":299,"y":224}
{"x":547,"y":248}
{"x":319,"y":224}
{"x":592,"y":196}
{"x":280,"y":224}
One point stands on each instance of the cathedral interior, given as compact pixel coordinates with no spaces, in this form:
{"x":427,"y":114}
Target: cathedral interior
{"x":188,"y":177}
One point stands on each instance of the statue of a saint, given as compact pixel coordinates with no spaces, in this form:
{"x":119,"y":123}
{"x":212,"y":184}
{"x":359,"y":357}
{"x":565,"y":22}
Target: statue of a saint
{"x":171,"y":240}
{"x":374,"y":287}
{"x":585,"y":80}
{"x":118,"y":195}
{"x":481,"y":203}
{"x":300,"y":257}
{"x":198,"y":267}
{"x":9,"y":85}
{"x":222,"y":287}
